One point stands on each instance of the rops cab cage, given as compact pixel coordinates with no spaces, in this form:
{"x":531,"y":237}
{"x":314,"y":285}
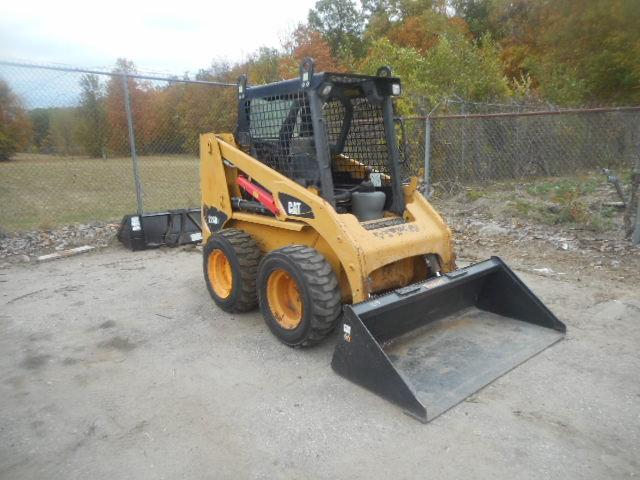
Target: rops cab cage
{"x":311,"y":129}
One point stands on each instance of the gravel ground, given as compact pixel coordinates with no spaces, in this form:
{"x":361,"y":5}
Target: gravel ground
{"x":118,"y":365}
{"x":26,"y":246}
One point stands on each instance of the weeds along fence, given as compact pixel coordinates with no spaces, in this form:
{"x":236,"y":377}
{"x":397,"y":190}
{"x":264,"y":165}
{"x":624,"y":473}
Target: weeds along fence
{"x":81,"y":145}
{"x":471,"y":149}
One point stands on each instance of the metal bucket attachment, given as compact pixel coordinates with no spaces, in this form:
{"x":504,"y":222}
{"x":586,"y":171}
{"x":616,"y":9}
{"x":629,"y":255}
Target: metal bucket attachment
{"x":428,"y":346}
{"x":151,"y":230}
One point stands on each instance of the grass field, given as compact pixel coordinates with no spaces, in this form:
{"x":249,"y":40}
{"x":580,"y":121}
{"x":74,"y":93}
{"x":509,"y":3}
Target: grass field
{"x":43,"y":191}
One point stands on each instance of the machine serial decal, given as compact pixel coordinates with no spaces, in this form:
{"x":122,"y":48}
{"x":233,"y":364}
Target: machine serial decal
{"x":395,"y":230}
{"x":347,"y":332}
{"x":214,"y":218}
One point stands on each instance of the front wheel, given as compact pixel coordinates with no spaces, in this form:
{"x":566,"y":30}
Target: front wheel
{"x":230,"y":263}
{"x":299,"y":295}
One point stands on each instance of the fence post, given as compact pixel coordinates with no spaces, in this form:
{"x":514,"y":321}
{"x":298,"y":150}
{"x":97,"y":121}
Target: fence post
{"x":463,"y":142}
{"x":635,"y":184}
{"x":132,"y":143}
{"x":635,"y":238}
{"x":427,"y":156}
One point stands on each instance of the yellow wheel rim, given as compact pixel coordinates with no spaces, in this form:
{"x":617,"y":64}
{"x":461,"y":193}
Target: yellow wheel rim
{"x":220,"y":276}
{"x":284,"y":299}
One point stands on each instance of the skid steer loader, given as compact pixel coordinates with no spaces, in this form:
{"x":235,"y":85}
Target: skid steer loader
{"x":305,"y":212}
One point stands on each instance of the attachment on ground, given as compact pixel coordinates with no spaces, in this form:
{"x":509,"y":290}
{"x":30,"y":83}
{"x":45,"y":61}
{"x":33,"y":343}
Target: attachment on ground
{"x":151,"y":230}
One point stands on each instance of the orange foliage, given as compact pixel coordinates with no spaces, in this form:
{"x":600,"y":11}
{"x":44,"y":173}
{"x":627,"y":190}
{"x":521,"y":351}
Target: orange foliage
{"x":423,"y":32}
{"x":118,"y":138}
{"x":414,"y":33}
{"x":305,"y":42}
{"x":15,"y":125}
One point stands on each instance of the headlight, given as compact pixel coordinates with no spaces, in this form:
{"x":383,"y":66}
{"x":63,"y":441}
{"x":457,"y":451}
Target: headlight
{"x":395,"y":89}
{"x":326,"y":90}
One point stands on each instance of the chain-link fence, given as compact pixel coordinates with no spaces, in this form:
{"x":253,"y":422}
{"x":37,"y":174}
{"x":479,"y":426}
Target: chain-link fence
{"x":86,"y":145}
{"x":559,"y":155}
{"x":82,"y":145}
{"x":457,"y":150}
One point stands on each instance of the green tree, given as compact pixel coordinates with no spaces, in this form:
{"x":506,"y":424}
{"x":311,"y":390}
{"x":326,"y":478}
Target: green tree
{"x":64,"y":131}
{"x":206,"y":108}
{"x":262,"y":67}
{"x":455,"y":66}
{"x":40,"y":120}
{"x":476,"y":14}
{"x":92,"y":130}
{"x":342,"y":24}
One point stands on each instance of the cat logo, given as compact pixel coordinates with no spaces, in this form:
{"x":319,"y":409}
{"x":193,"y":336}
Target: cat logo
{"x":293,"y":208}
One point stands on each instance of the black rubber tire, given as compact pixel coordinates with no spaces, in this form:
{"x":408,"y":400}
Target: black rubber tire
{"x":243,"y":255}
{"x":319,"y":293}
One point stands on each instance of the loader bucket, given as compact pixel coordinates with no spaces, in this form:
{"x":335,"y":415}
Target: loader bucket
{"x":428,"y":346}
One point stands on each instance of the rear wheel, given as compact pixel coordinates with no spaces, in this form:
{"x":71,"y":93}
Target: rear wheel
{"x":299,"y":295}
{"x":230,"y":265}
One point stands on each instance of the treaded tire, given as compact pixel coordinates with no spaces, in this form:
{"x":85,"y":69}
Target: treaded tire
{"x":319,"y":293}
{"x":243,"y":255}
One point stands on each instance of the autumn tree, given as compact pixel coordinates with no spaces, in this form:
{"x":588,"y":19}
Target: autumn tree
{"x":163,"y":110}
{"x":423,"y":31}
{"x":118,"y":136}
{"x":576,"y":52}
{"x":306,"y":42}
{"x":595,"y":46}
{"x":15,"y":126}
{"x":40,"y":121}
{"x":208,"y":108}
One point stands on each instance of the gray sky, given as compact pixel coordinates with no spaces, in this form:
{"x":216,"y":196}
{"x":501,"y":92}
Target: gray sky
{"x":172,"y":37}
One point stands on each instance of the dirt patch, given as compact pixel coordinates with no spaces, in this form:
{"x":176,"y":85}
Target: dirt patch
{"x":34,"y":362}
{"x":563,"y":227}
{"x":118,"y":343}
{"x":107,"y":324}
